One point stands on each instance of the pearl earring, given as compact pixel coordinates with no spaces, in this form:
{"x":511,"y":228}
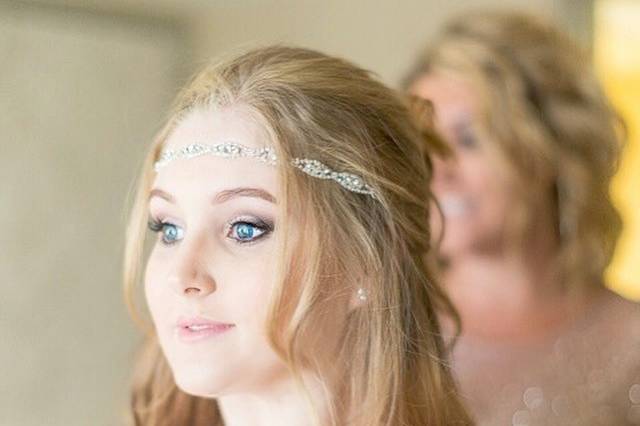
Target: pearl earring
{"x":362,"y":294}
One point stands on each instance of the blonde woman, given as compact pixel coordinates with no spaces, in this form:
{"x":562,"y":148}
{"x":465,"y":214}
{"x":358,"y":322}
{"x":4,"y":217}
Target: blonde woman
{"x":286,"y":283}
{"x":529,"y":226}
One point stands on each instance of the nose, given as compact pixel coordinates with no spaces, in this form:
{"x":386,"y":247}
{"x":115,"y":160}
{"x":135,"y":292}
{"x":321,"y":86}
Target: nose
{"x":192,"y":276}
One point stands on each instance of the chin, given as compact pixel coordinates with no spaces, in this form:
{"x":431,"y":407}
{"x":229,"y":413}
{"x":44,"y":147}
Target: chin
{"x":201,"y":381}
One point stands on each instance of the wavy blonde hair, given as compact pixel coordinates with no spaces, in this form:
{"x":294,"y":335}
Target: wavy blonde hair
{"x":552,"y":129}
{"x":392,"y":354}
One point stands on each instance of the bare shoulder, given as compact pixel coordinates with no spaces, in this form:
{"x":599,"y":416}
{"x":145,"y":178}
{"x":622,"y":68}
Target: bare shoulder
{"x":620,"y":316}
{"x":619,"y":337}
{"x":614,"y":325}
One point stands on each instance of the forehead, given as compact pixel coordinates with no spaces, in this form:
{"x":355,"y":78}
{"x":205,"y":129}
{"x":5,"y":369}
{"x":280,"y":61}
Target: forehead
{"x":452,"y":96}
{"x":210,"y":173}
{"x":217,"y":125}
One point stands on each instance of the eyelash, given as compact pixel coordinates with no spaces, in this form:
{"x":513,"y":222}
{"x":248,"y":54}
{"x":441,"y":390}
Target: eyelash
{"x":157,"y":226}
{"x":264,"y":226}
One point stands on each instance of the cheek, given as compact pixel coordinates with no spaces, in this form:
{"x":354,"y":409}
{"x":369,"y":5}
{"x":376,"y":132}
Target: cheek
{"x":243,"y":280}
{"x":244,"y":289}
{"x":155,"y":287}
{"x":482,"y":180}
{"x":478,"y":171}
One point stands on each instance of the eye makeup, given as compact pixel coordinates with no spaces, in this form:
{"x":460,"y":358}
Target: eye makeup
{"x":248,"y":229}
{"x":243,"y":229}
{"x":169,"y":232}
{"x":465,"y":137}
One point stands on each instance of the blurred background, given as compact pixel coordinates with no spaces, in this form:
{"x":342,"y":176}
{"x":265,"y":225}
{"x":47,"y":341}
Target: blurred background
{"x":84,"y":85}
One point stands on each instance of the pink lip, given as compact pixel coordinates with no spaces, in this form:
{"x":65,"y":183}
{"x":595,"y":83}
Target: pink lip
{"x":198,"y":328}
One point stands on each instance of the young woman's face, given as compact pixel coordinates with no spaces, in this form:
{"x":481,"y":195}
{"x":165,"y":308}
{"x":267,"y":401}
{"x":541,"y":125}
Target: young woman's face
{"x":211,"y":270}
{"x":473,"y":196}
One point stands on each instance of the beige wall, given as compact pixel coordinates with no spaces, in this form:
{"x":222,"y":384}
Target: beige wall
{"x":382,"y":36}
{"x":83,"y":86}
{"x":80,"y":95}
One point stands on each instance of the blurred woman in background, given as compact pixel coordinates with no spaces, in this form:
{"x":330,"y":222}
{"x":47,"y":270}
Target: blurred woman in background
{"x":528,"y":224}
{"x":287,"y":283}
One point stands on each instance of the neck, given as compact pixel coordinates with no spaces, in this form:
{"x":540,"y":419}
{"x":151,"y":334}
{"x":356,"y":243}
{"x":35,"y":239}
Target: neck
{"x":285,"y":403}
{"x":511,"y":295}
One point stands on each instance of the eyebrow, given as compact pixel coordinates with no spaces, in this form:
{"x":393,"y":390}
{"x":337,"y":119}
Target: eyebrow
{"x":222,"y":196}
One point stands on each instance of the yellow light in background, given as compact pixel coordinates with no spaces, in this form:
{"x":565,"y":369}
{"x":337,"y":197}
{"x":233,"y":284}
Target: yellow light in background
{"x":617,"y":59}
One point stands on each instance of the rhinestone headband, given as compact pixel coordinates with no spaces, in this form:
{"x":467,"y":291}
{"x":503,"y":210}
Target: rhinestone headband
{"x":312,"y":168}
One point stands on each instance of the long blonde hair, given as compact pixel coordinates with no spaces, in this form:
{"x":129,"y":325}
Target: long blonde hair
{"x":553,"y":132}
{"x":393,"y":356}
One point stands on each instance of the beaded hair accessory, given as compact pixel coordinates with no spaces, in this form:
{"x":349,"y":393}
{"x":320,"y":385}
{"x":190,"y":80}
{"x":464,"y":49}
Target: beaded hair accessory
{"x":312,"y":168}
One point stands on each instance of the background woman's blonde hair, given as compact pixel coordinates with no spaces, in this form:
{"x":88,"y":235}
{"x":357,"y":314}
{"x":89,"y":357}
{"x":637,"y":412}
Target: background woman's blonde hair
{"x":392,"y":354}
{"x":551,"y":128}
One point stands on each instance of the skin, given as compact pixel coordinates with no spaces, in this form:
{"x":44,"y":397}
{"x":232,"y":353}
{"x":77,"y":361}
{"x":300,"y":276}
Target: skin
{"x":530,"y":352}
{"x":215,"y":258}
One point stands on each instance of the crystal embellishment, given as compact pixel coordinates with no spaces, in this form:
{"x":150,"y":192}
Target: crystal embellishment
{"x":347,"y":180}
{"x":225,"y":150}
{"x":267,"y":155}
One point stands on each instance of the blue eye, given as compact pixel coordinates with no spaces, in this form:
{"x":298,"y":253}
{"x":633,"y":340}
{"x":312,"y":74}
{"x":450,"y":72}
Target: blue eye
{"x":245,"y":232}
{"x":170,"y":233}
